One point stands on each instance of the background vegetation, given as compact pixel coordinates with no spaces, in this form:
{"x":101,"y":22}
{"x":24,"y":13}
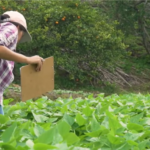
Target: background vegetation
{"x":97,"y":45}
{"x":94,"y":43}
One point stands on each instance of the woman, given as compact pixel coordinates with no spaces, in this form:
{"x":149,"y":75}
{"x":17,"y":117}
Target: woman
{"x":13,"y":30}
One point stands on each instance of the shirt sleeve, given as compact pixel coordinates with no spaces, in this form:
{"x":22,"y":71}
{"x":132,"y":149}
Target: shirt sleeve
{"x":8,"y":34}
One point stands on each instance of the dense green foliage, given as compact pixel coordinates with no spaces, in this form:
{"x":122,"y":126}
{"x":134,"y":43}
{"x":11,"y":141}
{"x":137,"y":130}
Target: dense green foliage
{"x":77,"y":35}
{"x":77,"y":124}
{"x":133,"y":18}
{"x":85,"y":38}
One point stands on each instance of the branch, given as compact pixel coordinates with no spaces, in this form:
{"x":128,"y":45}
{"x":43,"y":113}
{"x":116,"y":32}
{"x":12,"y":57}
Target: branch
{"x":138,"y":3}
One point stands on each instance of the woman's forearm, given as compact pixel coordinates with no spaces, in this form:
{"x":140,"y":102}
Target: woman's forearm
{"x":7,"y":54}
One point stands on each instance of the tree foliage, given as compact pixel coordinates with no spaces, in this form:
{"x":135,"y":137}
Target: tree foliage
{"x":77,"y":35}
{"x":134,"y":21}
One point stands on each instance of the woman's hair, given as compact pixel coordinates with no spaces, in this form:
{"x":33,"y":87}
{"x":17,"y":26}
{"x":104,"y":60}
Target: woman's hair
{"x":5,"y":16}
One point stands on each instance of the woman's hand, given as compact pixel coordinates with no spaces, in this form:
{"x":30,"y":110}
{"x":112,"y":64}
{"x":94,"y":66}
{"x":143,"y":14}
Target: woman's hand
{"x":36,"y":60}
{"x":7,"y":54}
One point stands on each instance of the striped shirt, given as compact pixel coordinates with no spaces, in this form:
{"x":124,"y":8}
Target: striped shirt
{"x":8,"y":38}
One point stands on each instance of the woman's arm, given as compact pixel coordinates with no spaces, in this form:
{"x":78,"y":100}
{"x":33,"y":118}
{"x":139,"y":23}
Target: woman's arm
{"x":7,"y":54}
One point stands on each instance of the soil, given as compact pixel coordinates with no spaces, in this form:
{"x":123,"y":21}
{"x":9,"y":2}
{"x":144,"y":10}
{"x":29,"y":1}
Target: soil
{"x":138,"y":83}
{"x":14,"y":91}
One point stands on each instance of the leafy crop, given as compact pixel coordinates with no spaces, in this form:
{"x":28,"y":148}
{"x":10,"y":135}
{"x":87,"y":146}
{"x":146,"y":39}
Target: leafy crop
{"x":116,"y":122}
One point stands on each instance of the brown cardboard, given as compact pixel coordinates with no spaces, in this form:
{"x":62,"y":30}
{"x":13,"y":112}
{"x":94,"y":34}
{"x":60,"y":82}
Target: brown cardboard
{"x":34,"y":84}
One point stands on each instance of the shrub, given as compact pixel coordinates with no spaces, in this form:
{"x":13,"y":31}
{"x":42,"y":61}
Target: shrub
{"x":77,"y":35}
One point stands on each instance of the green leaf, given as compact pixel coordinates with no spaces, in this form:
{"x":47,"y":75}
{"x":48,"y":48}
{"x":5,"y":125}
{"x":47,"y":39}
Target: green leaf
{"x":94,"y":124}
{"x":133,"y":136}
{"x":80,"y":119}
{"x":132,"y":143}
{"x":46,"y":126}
{"x":142,"y":145}
{"x":94,"y":133}
{"x":136,"y":127}
{"x":63,"y":128}
{"x":3,"y":119}
{"x":115,"y":139}
{"x":68,"y":119}
{"x":124,"y":146}
{"x":64,"y":108}
{"x":136,"y":118}
{"x":21,"y":148}
{"x":50,"y":136}
{"x":40,"y":146}
{"x":30,"y":143}
{"x":62,"y":146}
{"x":38,"y":130}
{"x":114,"y":124}
{"x":9,"y":133}
{"x":5,"y":146}
{"x":52,"y":120}
{"x":87,"y":111}
{"x":71,"y":138}
{"x":40,"y":118}
{"x":145,"y":121}
{"x":105,"y":122}
{"x":7,"y":101}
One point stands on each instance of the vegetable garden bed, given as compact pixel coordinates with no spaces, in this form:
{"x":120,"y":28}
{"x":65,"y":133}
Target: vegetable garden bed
{"x":115,"y":122}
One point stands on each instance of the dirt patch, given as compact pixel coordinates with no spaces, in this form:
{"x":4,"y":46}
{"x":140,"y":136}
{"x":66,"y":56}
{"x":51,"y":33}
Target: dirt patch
{"x":141,"y":86}
{"x":14,"y":92}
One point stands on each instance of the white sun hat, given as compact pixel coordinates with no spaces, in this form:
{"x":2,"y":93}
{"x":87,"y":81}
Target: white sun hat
{"x":17,"y":17}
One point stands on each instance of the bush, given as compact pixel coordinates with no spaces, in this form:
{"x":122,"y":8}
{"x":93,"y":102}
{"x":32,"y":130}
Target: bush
{"x":77,"y":35}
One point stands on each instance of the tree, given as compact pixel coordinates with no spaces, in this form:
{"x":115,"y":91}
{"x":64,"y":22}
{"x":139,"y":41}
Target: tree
{"x":81,"y":40}
{"x":133,"y":18}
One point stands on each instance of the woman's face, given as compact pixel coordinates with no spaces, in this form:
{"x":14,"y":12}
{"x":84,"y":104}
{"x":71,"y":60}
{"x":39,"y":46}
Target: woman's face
{"x":20,"y":34}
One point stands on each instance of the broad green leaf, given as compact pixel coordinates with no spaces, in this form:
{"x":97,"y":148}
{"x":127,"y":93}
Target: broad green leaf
{"x":21,"y":148}
{"x":80,"y":119}
{"x":105,"y":148}
{"x":94,"y":124}
{"x":114,"y":124}
{"x":94,"y":133}
{"x":80,"y":148}
{"x":145,"y":121}
{"x":3,"y":119}
{"x":63,"y":128}
{"x":136,"y":118}
{"x":132,"y":143}
{"x":40,"y":118}
{"x":90,"y":96}
{"x":27,"y":134}
{"x":30,"y":143}
{"x":133,"y":136}
{"x":71,"y":138}
{"x":38,"y":130}
{"x":9,"y":133}
{"x":62,"y":146}
{"x":46,"y":126}
{"x":41,"y":146}
{"x":136,"y":127}
{"x":142,"y":145}
{"x":98,"y":108}
{"x":5,"y":146}
{"x":105,"y":122}
{"x":68,"y":119}
{"x":87,"y":110}
{"x":50,"y":136}
{"x":52,"y":120}
{"x":115,"y":139}
{"x":7,"y":101}
{"x":124,"y":146}
{"x":64,"y":108}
